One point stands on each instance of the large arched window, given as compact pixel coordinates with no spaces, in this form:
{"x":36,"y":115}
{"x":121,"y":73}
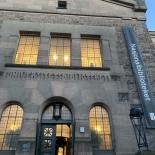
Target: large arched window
{"x":100,"y":128}
{"x":10,"y":125}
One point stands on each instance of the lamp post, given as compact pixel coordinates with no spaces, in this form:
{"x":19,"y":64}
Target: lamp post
{"x":136,"y":117}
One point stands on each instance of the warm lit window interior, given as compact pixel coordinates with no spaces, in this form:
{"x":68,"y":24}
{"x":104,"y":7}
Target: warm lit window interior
{"x":27,"y":51}
{"x":90,"y":52}
{"x":100,"y":128}
{"x":10,"y":126}
{"x":60,"y":50}
{"x":61,"y":151}
{"x":63,"y":130}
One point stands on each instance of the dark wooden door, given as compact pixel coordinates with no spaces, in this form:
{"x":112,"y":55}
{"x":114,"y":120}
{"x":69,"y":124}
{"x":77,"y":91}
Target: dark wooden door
{"x":47,"y":140}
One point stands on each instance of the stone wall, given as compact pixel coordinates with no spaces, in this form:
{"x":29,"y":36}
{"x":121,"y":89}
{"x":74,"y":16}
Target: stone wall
{"x":118,"y":93}
{"x":152,"y":33}
{"x":124,"y":8}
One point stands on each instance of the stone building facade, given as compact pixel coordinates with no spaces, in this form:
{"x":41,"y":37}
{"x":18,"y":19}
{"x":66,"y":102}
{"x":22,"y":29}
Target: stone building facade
{"x":70,"y":103}
{"x":152,"y":33}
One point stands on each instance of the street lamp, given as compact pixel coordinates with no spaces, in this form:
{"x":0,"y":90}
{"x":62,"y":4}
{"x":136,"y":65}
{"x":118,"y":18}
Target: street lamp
{"x":136,"y":117}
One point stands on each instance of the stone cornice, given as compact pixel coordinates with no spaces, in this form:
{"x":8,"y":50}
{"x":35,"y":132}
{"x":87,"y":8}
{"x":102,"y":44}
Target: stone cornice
{"x":138,"y":5}
{"x":152,"y":33}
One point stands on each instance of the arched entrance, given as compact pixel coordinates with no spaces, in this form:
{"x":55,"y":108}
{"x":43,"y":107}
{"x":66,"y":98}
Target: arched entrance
{"x":55,"y":136}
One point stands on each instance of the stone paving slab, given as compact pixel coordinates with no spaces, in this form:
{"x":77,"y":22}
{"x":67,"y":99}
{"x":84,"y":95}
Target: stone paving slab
{"x":146,"y":153}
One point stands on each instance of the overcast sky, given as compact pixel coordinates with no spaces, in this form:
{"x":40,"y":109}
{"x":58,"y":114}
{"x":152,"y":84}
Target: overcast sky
{"x":150,"y":14}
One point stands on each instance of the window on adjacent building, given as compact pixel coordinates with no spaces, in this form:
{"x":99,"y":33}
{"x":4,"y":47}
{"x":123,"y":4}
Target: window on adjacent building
{"x":27,"y":52}
{"x":90,"y":52}
{"x":60,"y":50}
{"x":10,"y":125}
{"x":100,"y":128}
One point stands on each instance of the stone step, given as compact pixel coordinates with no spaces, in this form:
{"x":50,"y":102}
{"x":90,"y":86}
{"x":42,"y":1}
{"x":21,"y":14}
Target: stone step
{"x":146,"y":153}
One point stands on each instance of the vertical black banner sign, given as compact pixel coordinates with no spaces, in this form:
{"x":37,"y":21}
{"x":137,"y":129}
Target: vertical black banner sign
{"x":142,"y":81}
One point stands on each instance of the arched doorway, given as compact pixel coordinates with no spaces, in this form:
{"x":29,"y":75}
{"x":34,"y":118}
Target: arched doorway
{"x":55,"y":131}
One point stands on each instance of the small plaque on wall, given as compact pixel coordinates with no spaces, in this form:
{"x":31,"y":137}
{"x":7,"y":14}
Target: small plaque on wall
{"x":82,"y":129}
{"x":25,"y":147}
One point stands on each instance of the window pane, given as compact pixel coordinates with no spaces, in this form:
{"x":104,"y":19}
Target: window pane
{"x":10,"y":126}
{"x":27,"y":51}
{"x":100,"y":128}
{"x":90,"y":52}
{"x":63,"y":130}
{"x":60,"y":51}
{"x":65,"y":113}
{"x":48,"y":113}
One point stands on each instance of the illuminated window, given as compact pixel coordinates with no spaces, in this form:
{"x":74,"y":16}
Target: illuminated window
{"x":100,"y":128}
{"x":27,"y":51}
{"x":60,"y":50}
{"x":90,"y":52}
{"x":10,"y":126}
{"x":63,"y":130}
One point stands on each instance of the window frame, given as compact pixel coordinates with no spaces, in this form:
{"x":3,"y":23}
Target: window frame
{"x":9,"y":104}
{"x":110,"y":126}
{"x":60,"y":35}
{"x":26,"y":33}
{"x":53,"y":108}
{"x":62,"y":7}
{"x":93,"y":37}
